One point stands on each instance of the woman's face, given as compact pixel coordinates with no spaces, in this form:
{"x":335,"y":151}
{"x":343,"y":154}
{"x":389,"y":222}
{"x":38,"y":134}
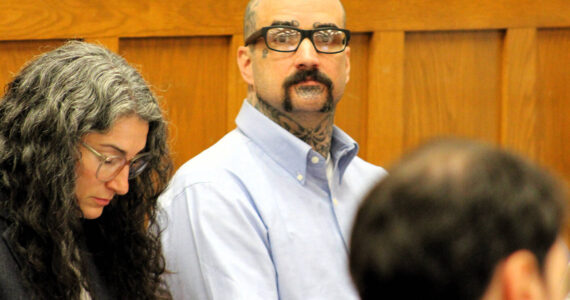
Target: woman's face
{"x":126,"y":138}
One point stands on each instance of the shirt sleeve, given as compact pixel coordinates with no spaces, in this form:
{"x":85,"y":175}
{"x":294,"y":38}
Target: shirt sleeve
{"x":216,"y":244}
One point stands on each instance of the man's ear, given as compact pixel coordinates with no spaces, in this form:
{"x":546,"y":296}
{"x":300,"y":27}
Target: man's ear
{"x":347,"y":51}
{"x":244,"y":63}
{"x":521,"y":277}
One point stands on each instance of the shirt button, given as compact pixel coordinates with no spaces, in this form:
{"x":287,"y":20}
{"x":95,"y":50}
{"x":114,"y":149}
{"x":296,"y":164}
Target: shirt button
{"x":315,"y":160}
{"x":299,"y":177}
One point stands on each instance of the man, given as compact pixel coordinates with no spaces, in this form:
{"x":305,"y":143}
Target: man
{"x":266,"y":212}
{"x":461,"y":220}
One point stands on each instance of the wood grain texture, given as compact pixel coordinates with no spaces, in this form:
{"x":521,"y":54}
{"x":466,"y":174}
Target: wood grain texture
{"x":452,"y":85}
{"x":385,"y":128}
{"x":414,"y":15}
{"x":553,"y":91}
{"x":56,"y":19}
{"x":111,"y":43}
{"x":14,"y":54}
{"x":32,"y":19}
{"x":352,"y":109}
{"x":190,"y":77}
{"x":519,"y":119}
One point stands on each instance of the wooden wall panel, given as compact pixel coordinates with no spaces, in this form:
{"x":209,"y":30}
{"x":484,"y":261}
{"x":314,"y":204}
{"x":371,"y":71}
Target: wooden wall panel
{"x":452,"y":85}
{"x":385,"y":128}
{"x":351,"y":113}
{"x":192,"y":79}
{"x":111,"y":43}
{"x":519,"y":121}
{"x":426,"y":15}
{"x":13,"y":55}
{"x":553,"y":109}
{"x":49,"y":19}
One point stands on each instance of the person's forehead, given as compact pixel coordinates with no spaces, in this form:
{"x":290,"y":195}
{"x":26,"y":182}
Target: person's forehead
{"x":305,"y":12}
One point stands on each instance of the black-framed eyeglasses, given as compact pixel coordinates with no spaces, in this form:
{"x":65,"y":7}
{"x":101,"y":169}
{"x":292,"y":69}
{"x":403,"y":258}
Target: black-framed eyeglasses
{"x":110,"y":166}
{"x":282,"y":38}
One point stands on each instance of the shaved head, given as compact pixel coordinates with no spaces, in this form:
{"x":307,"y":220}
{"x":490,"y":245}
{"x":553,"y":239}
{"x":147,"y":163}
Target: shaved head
{"x":249,"y":18}
{"x":251,"y":13}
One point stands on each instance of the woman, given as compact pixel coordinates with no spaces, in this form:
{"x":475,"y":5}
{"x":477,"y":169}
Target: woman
{"x":83,"y":158}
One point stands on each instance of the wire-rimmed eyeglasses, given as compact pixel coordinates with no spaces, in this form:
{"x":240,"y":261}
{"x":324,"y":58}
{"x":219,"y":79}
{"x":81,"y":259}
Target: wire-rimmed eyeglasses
{"x":282,"y":38}
{"x":110,"y":166}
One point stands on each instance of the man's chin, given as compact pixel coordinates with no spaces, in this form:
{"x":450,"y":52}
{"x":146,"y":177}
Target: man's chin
{"x":309,"y":104}
{"x":312,"y":98}
{"x":309,"y":90}
{"x":315,"y":94}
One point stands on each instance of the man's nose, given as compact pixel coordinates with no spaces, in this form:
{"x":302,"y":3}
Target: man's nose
{"x":306,"y":56}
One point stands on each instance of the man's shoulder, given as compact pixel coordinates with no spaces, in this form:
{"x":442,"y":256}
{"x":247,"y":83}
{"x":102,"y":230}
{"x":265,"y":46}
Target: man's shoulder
{"x":221,"y":165}
{"x":224,"y":152}
{"x":360,"y":171}
{"x":361,"y":165}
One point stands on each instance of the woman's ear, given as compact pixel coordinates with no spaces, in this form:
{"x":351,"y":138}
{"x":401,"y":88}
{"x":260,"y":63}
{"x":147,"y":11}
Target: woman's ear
{"x":244,"y":63}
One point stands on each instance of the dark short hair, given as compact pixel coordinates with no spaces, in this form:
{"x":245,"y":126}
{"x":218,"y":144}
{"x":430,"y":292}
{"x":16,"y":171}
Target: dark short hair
{"x":437,"y":226}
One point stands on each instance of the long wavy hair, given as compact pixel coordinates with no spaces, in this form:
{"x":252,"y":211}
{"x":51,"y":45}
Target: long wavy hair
{"x":57,"y":99}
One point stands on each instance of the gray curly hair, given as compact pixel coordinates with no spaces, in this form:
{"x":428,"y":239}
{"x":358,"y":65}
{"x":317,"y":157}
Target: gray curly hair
{"x":50,"y":105}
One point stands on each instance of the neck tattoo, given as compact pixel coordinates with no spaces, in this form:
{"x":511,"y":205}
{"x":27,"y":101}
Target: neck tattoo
{"x":319,"y":137}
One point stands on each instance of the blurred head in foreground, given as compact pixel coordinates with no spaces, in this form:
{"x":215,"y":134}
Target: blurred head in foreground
{"x":461,"y":220}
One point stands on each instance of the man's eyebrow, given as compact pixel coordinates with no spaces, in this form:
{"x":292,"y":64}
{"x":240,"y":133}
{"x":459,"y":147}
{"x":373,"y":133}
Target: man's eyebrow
{"x":321,"y":25}
{"x":285,"y":23}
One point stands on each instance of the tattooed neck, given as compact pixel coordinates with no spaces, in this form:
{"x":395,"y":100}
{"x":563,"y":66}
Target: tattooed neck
{"x":318,"y":136}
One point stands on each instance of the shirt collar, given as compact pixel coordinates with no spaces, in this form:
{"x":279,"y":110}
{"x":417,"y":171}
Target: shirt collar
{"x":291,"y":153}
{"x":343,"y":150}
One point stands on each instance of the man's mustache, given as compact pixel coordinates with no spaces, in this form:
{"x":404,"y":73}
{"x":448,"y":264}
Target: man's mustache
{"x":305,"y":75}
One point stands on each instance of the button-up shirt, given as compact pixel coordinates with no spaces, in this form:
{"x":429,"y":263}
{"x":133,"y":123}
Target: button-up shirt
{"x":255,"y":216}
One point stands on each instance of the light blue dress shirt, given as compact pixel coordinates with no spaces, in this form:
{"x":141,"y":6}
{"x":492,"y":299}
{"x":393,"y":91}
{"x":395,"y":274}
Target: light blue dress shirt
{"x":254,"y":217}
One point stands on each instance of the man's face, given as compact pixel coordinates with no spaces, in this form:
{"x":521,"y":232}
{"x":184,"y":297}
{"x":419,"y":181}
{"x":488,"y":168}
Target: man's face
{"x":305,"y":80}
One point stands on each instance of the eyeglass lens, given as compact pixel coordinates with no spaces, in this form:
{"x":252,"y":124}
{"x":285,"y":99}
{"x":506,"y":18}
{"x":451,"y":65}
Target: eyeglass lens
{"x":113,"y":165}
{"x":137,"y":166}
{"x":288,"y":39}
